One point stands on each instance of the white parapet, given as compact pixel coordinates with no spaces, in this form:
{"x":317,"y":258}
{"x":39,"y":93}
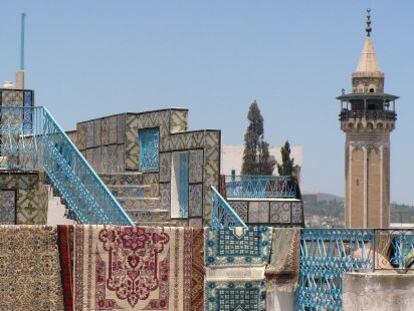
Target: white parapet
{"x":381,"y":290}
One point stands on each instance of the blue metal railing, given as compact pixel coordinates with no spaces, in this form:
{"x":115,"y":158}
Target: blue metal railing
{"x":400,"y":243}
{"x":325,"y":254}
{"x":260,"y":186}
{"x":48,"y":147}
{"x":222,"y":215}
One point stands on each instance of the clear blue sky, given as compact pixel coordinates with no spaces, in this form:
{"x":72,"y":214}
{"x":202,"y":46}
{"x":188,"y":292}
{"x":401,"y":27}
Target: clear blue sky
{"x":88,"y":59}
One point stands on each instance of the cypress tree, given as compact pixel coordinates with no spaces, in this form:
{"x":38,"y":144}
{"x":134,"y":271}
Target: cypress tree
{"x":256,"y":157}
{"x":287,"y":166}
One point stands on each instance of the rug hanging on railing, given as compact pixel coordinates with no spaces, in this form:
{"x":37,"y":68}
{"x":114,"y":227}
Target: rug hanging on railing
{"x":29,"y":269}
{"x":135,"y":268}
{"x":65,"y":233}
{"x":283,"y":269}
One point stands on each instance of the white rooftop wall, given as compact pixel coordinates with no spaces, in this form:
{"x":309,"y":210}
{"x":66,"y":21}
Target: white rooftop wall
{"x":232,"y":157}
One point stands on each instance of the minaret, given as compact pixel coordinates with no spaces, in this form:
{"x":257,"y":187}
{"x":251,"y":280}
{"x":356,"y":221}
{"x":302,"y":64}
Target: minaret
{"x":367,"y":117}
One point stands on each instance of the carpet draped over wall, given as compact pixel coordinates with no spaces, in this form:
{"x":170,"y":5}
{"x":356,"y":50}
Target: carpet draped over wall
{"x":138,"y":268}
{"x":30,"y":276}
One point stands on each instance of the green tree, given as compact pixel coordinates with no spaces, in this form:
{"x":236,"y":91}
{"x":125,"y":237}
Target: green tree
{"x":256,"y":157}
{"x":286,"y":168}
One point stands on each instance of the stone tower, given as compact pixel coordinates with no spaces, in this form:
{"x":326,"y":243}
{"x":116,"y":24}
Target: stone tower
{"x":367,"y":117}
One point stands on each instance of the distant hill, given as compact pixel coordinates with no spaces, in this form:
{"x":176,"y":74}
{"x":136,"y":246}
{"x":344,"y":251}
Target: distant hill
{"x":327,"y":211}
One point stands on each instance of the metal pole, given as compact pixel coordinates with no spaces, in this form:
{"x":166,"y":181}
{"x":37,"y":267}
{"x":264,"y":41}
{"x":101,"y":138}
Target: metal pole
{"x":22,"y":41}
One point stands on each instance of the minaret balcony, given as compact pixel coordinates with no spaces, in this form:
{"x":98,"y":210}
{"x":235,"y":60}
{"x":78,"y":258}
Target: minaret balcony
{"x":385,"y":115}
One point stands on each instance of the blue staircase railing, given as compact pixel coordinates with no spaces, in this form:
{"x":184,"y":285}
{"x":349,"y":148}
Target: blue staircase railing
{"x":261,"y":186}
{"x":222,"y":214}
{"x":38,"y":142}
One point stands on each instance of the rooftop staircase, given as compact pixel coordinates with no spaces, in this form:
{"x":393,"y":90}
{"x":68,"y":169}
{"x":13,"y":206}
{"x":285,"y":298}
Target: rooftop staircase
{"x":30,"y":138}
{"x":140,"y":201}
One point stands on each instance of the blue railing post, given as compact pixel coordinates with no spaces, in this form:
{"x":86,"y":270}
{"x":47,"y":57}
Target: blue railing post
{"x":222,"y":215}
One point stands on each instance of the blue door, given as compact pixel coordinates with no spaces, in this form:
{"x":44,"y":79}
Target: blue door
{"x":183,"y":194}
{"x":149,"y":155}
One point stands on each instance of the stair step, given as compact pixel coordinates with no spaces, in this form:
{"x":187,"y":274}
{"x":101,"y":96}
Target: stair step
{"x":144,"y":216}
{"x":170,"y":223}
{"x":125,"y":178}
{"x":134,"y":203}
{"x":137,"y":191}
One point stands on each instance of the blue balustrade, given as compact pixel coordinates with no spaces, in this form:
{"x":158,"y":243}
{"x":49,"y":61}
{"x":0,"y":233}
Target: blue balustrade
{"x":325,"y":254}
{"x":222,"y":215}
{"x":401,"y":248}
{"x":30,"y":138}
{"x":260,"y":186}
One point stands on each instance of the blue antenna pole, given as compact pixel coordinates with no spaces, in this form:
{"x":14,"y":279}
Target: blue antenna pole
{"x":22,"y":42}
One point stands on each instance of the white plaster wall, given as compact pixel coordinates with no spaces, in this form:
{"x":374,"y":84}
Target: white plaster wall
{"x":56,"y":211}
{"x":379,"y":291}
{"x":280,"y":301}
{"x":232,"y":157}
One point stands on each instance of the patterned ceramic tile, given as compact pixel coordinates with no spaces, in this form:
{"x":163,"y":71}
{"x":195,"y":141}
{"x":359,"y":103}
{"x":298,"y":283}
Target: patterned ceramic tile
{"x":165,"y":167}
{"x":280,"y":212}
{"x":235,"y":296}
{"x":89,"y":134}
{"x":121,"y":128}
{"x":73,"y":135}
{"x":97,"y":162}
{"x":208,"y":141}
{"x":105,"y":131}
{"x":258,"y":212}
{"x":237,"y":246}
{"x":165,"y":195}
{"x":240,"y":208}
{"x":12,"y":98}
{"x":211,"y":168}
{"x":32,"y":206}
{"x":107,"y":159}
{"x":297,"y":213}
{"x":113,"y":130}
{"x":150,"y":178}
{"x":187,"y":140}
{"x":97,"y":134}
{"x":32,"y":197}
{"x":81,"y":130}
{"x":195,"y":204}
{"x":112,"y":159}
{"x":195,"y":222}
{"x":179,"y":121}
{"x":7,"y":207}
{"x":120,"y":156}
{"x":149,"y":149}
{"x":112,"y":151}
{"x":141,"y":204}
{"x":89,"y":155}
{"x":8,"y":181}
{"x":27,"y":113}
{"x":196,"y":166}
{"x":26,"y":181}
{"x":148,"y":120}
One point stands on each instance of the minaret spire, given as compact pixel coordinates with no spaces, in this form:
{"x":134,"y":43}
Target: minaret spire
{"x":368,"y":28}
{"x":368,"y":59}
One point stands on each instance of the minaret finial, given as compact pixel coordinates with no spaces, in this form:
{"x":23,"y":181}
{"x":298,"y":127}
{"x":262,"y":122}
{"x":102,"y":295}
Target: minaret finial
{"x":368,"y":28}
